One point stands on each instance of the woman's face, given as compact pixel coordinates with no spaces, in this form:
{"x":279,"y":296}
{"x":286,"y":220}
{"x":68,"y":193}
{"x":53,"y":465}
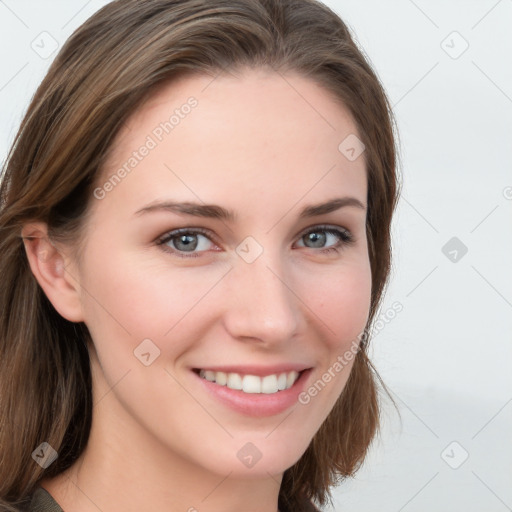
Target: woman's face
{"x":260,"y":281}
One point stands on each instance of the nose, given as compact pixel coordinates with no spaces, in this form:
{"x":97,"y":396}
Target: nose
{"x":262,"y":303}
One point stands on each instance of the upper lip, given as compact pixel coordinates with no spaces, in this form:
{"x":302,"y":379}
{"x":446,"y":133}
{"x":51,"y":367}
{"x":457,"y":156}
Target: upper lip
{"x":260,"y":371}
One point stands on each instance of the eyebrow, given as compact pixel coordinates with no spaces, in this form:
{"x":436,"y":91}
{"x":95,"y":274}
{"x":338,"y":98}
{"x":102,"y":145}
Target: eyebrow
{"x":214,"y":211}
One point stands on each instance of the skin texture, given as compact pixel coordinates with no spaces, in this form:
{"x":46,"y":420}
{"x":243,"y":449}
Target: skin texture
{"x":265,"y":146}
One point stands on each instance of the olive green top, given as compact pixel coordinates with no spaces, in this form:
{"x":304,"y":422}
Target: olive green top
{"x":42,"y":501}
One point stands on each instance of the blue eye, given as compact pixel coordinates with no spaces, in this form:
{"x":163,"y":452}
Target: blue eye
{"x":185,"y":240}
{"x":319,"y":235}
{"x":191,"y":242}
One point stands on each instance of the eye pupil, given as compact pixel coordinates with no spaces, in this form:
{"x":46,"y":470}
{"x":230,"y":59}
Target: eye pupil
{"x":317,"y":239}
{"x":189,"y":241}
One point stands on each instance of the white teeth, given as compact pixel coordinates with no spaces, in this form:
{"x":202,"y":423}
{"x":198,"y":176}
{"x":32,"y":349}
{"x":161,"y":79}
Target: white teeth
{"x":252,"y":383}
{"x":281,"y":381}
{"x":209,"y":375}
{"x":269,"y":384}
{"x":234,"y":381}
{"x":291,"y":378}
{"x":221,"y":378}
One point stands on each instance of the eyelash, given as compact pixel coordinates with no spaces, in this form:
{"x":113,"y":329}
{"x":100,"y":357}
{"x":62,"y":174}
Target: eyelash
{"x":346,"y":239}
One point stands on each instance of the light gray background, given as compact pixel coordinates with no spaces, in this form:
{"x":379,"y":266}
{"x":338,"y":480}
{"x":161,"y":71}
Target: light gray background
{"x":447,"y":355}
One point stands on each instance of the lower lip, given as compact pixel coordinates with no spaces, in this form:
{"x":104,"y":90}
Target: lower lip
{"x":257,"y":404}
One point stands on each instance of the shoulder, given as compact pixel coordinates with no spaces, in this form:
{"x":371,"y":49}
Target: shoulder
{"x":42,"y":501}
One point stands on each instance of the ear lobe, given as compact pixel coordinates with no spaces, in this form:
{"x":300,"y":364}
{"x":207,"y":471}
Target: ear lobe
{"x":49,"y":266}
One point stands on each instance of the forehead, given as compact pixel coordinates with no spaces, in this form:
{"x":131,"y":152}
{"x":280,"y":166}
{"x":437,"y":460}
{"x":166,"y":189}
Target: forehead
{"x":258,"y":135}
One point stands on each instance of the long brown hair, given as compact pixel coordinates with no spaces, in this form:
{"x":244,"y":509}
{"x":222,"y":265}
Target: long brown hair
{"x":102,"y":74}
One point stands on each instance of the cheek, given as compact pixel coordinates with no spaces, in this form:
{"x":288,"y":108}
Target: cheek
{"x":131,"y":299}
{"x":341,"y":301}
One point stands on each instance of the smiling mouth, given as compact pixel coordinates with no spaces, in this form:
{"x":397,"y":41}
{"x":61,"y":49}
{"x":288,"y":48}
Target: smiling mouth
{"x":268,"y":384}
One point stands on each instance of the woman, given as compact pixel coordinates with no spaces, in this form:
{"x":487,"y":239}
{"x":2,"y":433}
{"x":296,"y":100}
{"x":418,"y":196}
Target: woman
{"x":196,"y":238}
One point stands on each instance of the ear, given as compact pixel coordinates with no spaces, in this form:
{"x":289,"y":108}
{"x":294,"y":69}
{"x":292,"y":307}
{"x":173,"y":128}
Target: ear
{"x":50,"y":268}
